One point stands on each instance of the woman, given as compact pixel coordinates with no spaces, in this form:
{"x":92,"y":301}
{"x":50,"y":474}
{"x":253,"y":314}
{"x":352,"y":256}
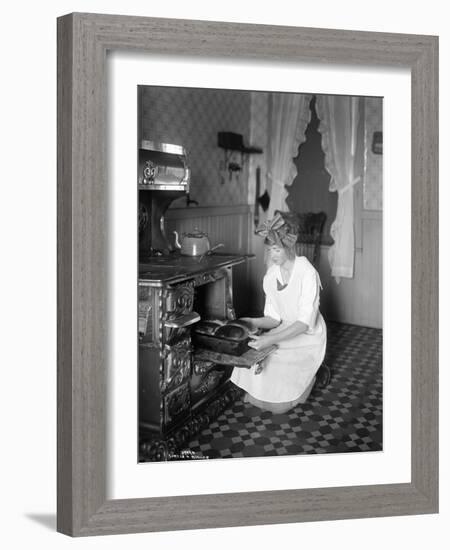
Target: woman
{"x":293,"y":322}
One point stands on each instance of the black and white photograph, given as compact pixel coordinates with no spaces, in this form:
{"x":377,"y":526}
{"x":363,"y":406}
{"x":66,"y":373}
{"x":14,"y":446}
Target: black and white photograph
{"x":260,"y":273}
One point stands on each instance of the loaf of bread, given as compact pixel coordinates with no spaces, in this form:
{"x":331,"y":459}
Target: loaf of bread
{"x":207,"y":327}
{"x":232,"y":332}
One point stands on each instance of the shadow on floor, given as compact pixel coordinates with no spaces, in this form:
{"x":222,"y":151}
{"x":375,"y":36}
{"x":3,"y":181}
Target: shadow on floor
{"x":46,"y":520}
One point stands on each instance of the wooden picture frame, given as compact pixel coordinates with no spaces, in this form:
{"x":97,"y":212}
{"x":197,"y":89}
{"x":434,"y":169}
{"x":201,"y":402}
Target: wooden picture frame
{"x":83,"y":41}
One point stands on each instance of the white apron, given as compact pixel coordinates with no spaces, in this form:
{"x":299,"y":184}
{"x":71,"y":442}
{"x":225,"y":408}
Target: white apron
{"x":289,"y":370}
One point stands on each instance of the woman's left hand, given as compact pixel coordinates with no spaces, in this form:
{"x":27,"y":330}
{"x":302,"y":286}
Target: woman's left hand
{"x":260,"y":342}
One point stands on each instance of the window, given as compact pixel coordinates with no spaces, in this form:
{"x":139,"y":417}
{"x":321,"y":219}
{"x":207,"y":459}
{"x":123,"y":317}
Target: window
{"x":309,"y":191}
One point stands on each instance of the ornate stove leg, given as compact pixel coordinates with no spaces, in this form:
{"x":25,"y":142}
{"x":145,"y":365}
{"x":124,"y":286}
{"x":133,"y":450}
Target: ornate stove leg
{"x":156,"y":450}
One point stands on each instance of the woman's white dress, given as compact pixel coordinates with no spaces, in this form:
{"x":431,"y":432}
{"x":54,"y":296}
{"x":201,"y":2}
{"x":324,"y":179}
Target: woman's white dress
{"x":290,"y":370}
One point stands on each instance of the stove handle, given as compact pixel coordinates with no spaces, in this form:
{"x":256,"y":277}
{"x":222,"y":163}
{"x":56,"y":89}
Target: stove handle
{"x":183,"y":320}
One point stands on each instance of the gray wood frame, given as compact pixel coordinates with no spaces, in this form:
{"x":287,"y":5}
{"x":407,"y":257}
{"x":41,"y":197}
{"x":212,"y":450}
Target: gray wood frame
{"x":83,"y":41}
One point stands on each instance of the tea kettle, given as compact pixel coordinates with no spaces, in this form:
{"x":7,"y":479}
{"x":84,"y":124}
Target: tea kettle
{"x":194,"y":244}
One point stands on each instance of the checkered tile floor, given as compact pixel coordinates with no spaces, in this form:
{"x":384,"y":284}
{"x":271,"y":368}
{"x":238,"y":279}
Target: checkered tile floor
{"x":346,"y":416}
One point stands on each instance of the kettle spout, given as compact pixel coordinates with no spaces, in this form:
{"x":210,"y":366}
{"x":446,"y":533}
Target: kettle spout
{"x":177,"y":241}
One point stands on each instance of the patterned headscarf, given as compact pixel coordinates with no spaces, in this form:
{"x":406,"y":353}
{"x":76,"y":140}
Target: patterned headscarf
{"x":278,"y":232}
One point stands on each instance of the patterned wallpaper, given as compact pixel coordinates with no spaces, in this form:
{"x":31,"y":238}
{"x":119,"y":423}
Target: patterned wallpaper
{"x":259,"y":135}
{"x":192,"y":117}
{"x":373,"y":164}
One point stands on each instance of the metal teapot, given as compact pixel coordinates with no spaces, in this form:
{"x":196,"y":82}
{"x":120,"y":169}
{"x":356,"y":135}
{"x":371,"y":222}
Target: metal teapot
{"x":194,"y":244}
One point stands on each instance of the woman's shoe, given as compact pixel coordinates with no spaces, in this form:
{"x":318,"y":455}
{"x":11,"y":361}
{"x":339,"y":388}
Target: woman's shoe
{"x":323,"y":376}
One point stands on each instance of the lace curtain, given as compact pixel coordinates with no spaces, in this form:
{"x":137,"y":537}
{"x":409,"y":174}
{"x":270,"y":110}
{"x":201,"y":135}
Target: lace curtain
{"x":289,"y":115}
{"x":339,"y":117}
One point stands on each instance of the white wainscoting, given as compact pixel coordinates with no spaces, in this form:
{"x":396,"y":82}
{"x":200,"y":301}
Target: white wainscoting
{"x":358,"y":301}
{"x":230,"y":225}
